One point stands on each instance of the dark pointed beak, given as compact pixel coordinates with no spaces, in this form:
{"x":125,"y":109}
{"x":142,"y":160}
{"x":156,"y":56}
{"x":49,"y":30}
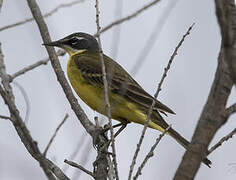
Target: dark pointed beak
{"x":53,"y":43}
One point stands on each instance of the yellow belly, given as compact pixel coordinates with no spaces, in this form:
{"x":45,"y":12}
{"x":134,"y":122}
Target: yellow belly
{"x":93,"y":96}
{"x":89,"y":94}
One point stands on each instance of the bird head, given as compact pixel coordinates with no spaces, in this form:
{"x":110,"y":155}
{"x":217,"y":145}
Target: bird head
{"x":76,"y":43}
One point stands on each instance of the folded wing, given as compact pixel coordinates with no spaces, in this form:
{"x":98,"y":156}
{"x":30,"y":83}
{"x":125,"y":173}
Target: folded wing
{"x":119,"y":81}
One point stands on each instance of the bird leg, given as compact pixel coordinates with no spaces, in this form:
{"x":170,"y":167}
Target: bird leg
{"x":123,"y":125}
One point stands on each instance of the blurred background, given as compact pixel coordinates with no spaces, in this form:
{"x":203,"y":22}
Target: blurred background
{"x":185,"y":89}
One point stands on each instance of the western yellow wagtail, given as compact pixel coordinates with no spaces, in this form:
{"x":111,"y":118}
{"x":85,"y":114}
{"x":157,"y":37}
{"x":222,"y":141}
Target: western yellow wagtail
{"x":129,"y":101}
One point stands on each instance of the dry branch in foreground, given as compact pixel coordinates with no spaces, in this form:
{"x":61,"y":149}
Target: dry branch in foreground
{"x":101,"y":163}
{"x":214,"y":113}
{"x":104,"y":77}
{"x":153,"y":102}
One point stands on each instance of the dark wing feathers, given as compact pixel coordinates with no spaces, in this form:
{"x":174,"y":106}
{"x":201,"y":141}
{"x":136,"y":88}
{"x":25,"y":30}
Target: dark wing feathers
{"x":121,"y":83}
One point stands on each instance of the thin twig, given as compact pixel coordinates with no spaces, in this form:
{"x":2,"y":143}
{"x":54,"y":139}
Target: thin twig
{"x":84,"y":159}
{"x":5,"y":117}
{"x":76,"y":150}
{"x":151,"y":40}
{"x":116,"y":30}
{"x":222,"y":140}
{"x":172,"y":58}
{"x":150,"y":153}
{"x":35,"y":65}
{"x":79,"y":167}
{"x":60,"y":6}
{"x":231,"y":109}
{"x":153,"y":102}
{"x":27,"y":101}
{"x":119,"y":21}
{"x":108,"y":107}
{"x":54,"y":135}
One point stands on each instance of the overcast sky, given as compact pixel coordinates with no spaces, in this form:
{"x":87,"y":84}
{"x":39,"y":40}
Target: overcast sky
{"x":185,"y":89}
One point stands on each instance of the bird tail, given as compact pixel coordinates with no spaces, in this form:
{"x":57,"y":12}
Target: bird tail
{"x":182,"y":141}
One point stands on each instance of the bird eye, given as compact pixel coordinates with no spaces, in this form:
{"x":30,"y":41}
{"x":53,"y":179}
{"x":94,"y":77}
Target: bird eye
{"x":74,"y":41}
{"x":78,"y":43}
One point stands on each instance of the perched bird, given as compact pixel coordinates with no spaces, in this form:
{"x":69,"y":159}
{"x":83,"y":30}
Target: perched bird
{"x":129,"y":101}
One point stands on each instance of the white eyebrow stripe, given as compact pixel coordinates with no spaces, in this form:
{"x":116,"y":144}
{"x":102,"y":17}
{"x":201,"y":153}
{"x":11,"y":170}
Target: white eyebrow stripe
{"x":79,"y":38}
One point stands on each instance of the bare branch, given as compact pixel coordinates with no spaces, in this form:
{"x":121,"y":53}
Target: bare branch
{"x":222,"y":140}
{"x":153,"y":102}
{"x":54,"y":135}
{"x":88,"y":125}
{"x":35,"y":65}
{"x":79,"y":167}
{"x":211,"y":119}
{"x":5,"y":117}
{"x":119,"y":21}
{"x":150,"y":153}
{"x":23,"y":132}
{"x":172,"y":58}
{"x":108,"y":106}
{"x":230,"y":110}
{"x":61,"y":6}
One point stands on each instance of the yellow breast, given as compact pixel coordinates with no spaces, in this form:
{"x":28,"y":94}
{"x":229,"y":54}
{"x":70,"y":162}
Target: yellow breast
{"x":91,"y":95}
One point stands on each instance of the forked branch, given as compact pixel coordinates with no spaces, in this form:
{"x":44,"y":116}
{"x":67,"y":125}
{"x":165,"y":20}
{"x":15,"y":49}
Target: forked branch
{"x":153,"y":102}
